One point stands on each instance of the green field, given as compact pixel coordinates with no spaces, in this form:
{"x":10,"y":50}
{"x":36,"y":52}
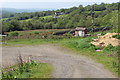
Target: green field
{"x":39,"y":31}
{"x":47,"y":17}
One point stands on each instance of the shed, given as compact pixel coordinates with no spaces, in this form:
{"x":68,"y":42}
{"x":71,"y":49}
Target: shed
{"x":1,"y":39}
{"x":2,"y":35}
{"x":80,"y":31}
{"x":58,"y":13}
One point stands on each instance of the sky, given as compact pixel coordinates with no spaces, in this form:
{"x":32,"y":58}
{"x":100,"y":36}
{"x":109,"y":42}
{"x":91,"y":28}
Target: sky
{"x":45,"y":4}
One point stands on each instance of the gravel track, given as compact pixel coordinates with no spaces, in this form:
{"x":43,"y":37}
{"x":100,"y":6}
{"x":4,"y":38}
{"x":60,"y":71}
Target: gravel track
{"x":65,"y":63}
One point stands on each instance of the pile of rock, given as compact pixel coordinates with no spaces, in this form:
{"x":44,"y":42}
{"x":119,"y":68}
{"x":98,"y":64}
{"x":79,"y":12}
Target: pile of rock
{"x":105,"y":40}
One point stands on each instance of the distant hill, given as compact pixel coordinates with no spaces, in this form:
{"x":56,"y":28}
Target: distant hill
{"x":9,"y":12}
{"x":12,"y":10}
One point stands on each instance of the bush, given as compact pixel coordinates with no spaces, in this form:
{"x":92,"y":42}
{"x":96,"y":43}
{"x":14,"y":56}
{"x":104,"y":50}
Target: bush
{"x":111,"y":48}
{"x":36,"y":32}
{"x":72,"y":43}
{"x":13,"y":34}
{"x":116,"y":36}
{"x":93,"y":47}
{"x":85,"y":45}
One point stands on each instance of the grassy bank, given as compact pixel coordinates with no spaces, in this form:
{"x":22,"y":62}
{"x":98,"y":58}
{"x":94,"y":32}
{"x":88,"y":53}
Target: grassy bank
{"x":27,"y":42}
{"x":108,"y":57}
{"x":28,"y":70}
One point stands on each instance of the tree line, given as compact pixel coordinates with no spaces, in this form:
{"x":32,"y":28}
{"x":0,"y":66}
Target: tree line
{"x":105,"y":15}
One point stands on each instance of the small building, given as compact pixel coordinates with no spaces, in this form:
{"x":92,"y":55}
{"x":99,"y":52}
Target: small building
{"x":1,"y":39}
{"x":2,"y":35}
{"x":58,"y":13}
{"x":79,"y":31}
{"x":55,"y":17}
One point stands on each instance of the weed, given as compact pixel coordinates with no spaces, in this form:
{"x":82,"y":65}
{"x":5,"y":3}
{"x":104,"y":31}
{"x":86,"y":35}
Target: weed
{"x":13,"y":34}
{"x":28,"y":69}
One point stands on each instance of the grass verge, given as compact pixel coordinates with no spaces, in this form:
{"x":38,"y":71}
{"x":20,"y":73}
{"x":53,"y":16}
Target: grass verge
{"x":108,"y":57}
{"x":28,"y":70}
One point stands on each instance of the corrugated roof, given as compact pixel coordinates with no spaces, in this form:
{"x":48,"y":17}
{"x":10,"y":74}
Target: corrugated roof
{"x":3,"y":35}
{"x":80,"y":28}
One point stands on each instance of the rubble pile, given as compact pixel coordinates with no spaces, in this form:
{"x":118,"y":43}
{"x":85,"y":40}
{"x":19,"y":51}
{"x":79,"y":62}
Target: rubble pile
{"x":103,"y":41}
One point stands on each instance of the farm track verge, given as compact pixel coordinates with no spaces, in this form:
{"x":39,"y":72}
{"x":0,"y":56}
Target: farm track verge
{"x":66,"y":65}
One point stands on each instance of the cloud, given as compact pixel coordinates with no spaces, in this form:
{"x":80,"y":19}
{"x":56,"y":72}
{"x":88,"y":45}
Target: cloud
{"x":46,"y":4}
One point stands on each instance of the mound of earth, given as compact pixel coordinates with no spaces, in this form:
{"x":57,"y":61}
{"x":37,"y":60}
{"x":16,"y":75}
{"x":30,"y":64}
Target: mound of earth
{"x":105,"y":40}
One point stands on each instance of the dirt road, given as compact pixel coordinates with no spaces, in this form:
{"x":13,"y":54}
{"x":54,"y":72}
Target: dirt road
{"x":65,"y":63}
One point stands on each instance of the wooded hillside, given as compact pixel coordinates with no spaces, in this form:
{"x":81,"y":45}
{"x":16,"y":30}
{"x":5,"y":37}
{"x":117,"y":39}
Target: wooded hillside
{"x":105,"y":15}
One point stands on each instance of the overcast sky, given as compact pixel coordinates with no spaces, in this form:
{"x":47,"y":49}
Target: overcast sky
{"x":23,"y":4}
{"x":59,"y":0}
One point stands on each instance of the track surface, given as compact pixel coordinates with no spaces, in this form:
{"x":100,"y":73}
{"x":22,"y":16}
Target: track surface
{"x":66,"y":64}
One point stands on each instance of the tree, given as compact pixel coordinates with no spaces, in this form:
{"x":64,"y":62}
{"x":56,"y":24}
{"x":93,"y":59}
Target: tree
{"x":100,"y":7}
{"x":76,"y":18}
{"x":88,"y":8}
{"x":70,"y":24}
{"x":15,"y":23}
{"x":106,"y":20}
{"x":114,"y":20}
{"x":48,"y":25}
{"x":81,"y":8}
{"x":105,"y":15}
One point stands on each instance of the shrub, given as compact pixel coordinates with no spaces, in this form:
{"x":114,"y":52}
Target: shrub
{"x":116,"y":36}
{"x":20,"y":70}
{"x":72,"y":43}
{"x":85,"y":45}
{"x":13,"y":34}
{"x":110,"y":48}
{"x":93,"y":47}
{"x":36,"y":32}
